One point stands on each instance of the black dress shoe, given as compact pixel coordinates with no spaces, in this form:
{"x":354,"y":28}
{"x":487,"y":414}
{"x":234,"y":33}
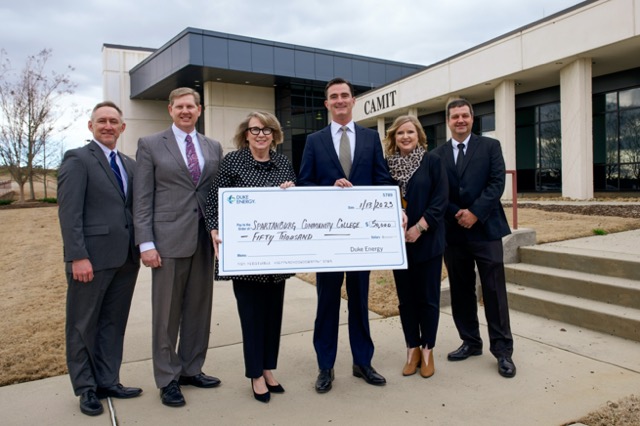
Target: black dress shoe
{"x":323,"y":383}
{"x":506,"y":367}
{"x":200,"y":381}
{"x":275,"y":388}
{"x":262,"y":397}
{"x":171,"y":395}
{"x":118,"y":391}
{"x":90,"y":404}
{"x":369,"y":374}
{"x":464,"y":352}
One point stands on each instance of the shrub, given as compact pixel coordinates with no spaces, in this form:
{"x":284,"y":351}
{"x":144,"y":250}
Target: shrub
{"x":51,"y":200}
{"x":5,"y":202}
{"x":599,"y":231}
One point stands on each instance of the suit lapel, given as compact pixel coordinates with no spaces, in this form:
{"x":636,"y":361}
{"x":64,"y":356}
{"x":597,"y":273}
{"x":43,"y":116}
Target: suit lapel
{"x":207,"y":152}
{"x":128,"y":168}
{"x":171,"y":145}
{"x":449,"y":160}
{"x":471,"y":150}
{"x":98,"y":154}
{"x":360,"y":144}
{"x":327,"y":143}
{"x":472,"y":146}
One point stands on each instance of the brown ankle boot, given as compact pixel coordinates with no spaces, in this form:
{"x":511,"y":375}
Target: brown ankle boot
{"x":427,"y":369}
{"x":413,"y":361}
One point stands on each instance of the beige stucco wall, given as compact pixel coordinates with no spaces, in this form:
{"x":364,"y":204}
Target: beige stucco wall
{"x":539,"y":55}
{"x":142,"y":117}
{"x":551,"y":53}
{"x":226,"y":105}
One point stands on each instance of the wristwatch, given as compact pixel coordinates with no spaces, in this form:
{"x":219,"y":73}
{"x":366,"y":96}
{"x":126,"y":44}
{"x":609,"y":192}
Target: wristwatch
{"x":421,"y":228}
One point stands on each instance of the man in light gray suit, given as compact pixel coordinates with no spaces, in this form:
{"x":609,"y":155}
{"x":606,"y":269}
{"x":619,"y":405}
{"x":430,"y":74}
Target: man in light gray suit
{"x":102,"y":262}
{"x":175,"y":169}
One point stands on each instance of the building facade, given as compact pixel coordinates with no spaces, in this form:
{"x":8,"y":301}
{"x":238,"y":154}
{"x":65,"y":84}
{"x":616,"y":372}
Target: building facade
{"x":562,"y":94}
{"x":234,"y":76}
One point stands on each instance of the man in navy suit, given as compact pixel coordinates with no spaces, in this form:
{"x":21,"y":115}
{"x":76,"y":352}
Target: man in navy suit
{"x":343,"y":154}
{"x":475,"y":224}
{"x":102,"y":262}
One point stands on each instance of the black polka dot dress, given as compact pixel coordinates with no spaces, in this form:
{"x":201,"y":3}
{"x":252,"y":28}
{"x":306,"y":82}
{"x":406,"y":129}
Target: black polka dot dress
{"x":239,"y":169}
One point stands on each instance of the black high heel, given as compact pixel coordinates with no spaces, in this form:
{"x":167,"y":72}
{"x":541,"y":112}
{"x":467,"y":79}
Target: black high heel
{"x":276,"y":388}
{"x":262,"y":397}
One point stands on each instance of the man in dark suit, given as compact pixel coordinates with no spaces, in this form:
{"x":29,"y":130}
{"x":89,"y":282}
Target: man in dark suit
{"x":475,"y":224}
{"x":327,"y":161}
{"x":102,"y":262}
{"x":175,"y":169}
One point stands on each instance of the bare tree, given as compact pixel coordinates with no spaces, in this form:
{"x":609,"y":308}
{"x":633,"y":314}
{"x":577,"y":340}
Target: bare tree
{"x":48,"y":162}
{"x":30,"y":114}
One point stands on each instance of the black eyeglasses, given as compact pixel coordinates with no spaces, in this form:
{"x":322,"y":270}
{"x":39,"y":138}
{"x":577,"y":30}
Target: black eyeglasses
{"x":256,"y":130}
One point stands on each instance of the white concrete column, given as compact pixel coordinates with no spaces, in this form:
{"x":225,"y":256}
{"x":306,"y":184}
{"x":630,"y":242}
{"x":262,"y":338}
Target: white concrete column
{"x":505,"y":116}
{"x":446,"y":117}
{"x":382,"y":130}
{"x":413,"y":111}
{"x":142,"y":117}
{"x":226,"y":105}
{"x":577,"y":133}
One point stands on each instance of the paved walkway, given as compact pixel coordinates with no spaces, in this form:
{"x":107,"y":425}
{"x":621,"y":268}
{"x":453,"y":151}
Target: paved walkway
{"x":564,"y":372}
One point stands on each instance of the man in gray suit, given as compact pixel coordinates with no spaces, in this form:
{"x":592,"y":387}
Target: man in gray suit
{"x":175,"y":169}
{"x":102,"y":262}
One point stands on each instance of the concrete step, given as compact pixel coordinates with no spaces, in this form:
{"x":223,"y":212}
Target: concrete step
{"x":603,"y":317}
{"x":590,"y":261}
{"x":607,"y":289}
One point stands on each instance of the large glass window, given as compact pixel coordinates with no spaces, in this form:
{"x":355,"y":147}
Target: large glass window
{"x":485,"y":125}
{"x":548,"y":147}
{"x":538,"y":148}
{"x":301,"y":112}
{"x":617,"y":140}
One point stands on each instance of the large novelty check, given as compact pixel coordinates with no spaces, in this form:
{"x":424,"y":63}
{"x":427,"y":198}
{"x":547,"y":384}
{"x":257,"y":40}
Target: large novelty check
{"x":310,"y":229}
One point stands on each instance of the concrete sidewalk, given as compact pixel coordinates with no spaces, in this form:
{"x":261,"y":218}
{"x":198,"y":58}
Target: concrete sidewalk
{"x":564,"y":372}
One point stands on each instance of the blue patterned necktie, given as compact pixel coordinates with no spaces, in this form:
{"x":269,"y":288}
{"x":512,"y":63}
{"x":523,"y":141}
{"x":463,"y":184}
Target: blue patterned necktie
{"x":116,"y":170}
{"x":192,"y":160}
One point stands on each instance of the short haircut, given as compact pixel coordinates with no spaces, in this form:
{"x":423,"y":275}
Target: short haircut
{"x":268,"y":120}
{"x":457,"y":103}
{"x":183,"y":91}
{"x":106,"y":104}
{"x":390,"y":147}
{"x":337,"y":80}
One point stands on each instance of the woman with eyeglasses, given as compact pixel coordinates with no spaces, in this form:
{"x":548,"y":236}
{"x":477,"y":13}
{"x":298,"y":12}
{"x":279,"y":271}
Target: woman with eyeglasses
{"x":260,"y":298}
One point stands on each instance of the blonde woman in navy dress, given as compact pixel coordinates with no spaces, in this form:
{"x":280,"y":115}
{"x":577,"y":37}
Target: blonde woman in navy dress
{"x":260,"y":298}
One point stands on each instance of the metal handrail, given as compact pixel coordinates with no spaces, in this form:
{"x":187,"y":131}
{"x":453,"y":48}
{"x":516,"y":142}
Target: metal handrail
{"x":514,"y":196}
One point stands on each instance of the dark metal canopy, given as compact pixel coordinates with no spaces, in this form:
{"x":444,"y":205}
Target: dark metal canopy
{"x":195,"y":56}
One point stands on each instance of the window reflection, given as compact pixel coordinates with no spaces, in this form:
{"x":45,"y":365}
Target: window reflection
{"x":621,"y":139}
{"x":548,"y":148}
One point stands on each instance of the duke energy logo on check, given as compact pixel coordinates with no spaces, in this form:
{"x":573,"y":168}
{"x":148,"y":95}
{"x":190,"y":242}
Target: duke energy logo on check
{"x":240,"y":199}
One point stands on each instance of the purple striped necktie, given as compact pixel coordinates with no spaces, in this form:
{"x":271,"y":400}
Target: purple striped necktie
{"x":192,"y":160}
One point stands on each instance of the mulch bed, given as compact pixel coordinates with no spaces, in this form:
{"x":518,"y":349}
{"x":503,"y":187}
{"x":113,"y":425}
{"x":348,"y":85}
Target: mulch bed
{"x":619,"y":210}
{"x":27,"y":205}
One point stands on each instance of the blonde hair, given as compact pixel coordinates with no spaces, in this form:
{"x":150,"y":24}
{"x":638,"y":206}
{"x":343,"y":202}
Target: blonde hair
{"x":390,"y":147}
{"x":183,"y":91}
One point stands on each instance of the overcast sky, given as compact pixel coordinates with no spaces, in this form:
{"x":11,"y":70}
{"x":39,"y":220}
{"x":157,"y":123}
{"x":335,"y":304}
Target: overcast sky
{"x":413,"y":31}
